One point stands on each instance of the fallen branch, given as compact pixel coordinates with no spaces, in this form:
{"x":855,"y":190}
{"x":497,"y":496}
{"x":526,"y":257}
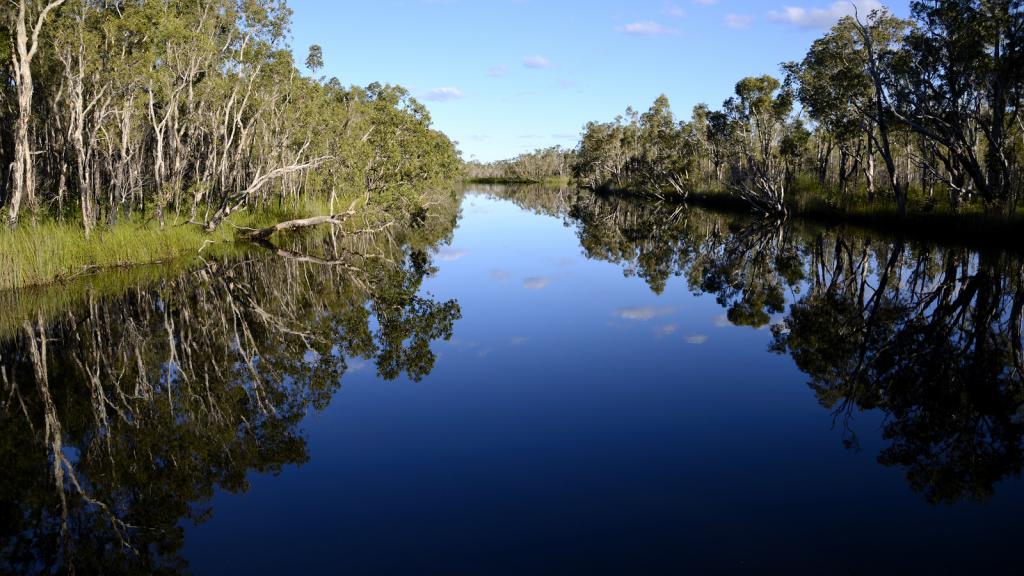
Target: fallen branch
{"x":236,"y":201}
{"x":264,"y":233}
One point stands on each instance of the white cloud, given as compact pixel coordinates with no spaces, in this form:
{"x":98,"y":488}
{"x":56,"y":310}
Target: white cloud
{"x":536,"y":61}
{"x":536,"y":283}
{"x":497,"y":71}
{"x":738,"y":21}
{"x":448,"y":254}
{"x":666,"y":330}
{"x":675,"y":11}
{"x":706,"y":2}
{"x":647,"y":28}
{"x":443,"y":94}
{"x":822,"y":17}
{"x":643,"y":313}
{"x":696,"y":339}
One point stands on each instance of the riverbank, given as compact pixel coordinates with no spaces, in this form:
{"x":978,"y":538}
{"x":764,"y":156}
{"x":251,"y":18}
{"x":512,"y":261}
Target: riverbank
{"x":550,"y":181}
{"x":970,"y":227}
{"x":50,"y":251}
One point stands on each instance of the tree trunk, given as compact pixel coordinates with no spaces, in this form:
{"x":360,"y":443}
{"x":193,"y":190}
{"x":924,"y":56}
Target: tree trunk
{"x":23,"y":173}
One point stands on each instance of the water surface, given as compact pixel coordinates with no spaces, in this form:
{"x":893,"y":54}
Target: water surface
{"x":562,"y":383}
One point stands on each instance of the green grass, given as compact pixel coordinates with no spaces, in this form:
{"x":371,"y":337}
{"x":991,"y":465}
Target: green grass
{"x":50,"y":251}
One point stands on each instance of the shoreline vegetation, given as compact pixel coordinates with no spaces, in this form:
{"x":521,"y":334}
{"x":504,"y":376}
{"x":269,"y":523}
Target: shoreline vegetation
{"x":52,"y":251}
{"x":140,"y":132}
{"x":905,"y":125}
{"x":148,"y":132}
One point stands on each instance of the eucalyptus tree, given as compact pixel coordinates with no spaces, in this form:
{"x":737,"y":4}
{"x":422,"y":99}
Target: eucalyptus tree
{"x":960,"y":86}
{"x":835,"y":89}
{"x":650,"y":154}
{"x":193,"y":111}
{"x":28,"y":20}
{"x":315,"y":58}
{"x":759,"y":114}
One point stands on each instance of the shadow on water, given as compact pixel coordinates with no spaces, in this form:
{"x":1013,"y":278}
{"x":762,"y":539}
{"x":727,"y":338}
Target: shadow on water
{"x":928,"y":335}
{"x":121,"y":415}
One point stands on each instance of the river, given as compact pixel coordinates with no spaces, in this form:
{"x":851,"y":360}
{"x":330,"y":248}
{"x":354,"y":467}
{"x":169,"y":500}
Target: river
{"x":546,"y":381}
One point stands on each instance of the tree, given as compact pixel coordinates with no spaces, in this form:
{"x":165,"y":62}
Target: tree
{"x":961,"y":82}
{"x":31,"y":15}
{"x":315,"y":59}
{"x":759,"y":114}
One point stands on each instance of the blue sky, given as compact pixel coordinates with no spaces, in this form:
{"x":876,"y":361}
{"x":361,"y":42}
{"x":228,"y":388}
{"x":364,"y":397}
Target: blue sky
{"x":507,"y":76}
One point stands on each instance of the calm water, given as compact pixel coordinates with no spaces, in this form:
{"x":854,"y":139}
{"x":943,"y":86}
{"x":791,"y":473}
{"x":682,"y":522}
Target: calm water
{"x":561,"y":384}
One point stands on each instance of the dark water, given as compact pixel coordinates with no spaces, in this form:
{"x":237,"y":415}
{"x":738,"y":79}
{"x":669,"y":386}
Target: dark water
{"x":561,"y":384}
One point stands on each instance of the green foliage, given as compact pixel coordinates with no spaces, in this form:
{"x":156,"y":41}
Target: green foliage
{"x":532,"y":167}
{"x":647,"y":153}
{"x":888,"y":109}
{"x":195,"y":110}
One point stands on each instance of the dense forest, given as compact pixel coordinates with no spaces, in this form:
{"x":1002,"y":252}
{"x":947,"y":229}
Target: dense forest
{"x":194,"y":111}
{"x":529,"y":167}
{"x":912,"y":114}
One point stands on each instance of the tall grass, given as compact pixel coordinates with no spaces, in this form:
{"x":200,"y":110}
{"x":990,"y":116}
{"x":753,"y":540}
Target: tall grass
{"x":49,"y":251}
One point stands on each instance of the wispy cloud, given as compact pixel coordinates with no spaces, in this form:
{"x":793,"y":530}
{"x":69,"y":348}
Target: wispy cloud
{"x":499,"y":275}
{"x":675,"y":11}
{"x":706,"y":2}
{"x":443,"y":94}
{"x":643,"y":313}
{"x":738,"y":21}
{"x":536,"y":62}
{"x":647,"y":28}
{"x":448,"y":254}
{"x":696,"y":339}
{"x":815,"y":17}
{"x":666,"y":330}
{"x":497,"y":71}
{"x":536,"y":282}
{"x":517,"y":341}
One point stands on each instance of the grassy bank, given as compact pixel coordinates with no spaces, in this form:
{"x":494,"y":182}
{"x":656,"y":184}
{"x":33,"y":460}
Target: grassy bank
{"x":50,"y":251}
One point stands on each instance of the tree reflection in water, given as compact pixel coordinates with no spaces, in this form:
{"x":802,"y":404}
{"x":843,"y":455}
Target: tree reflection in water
{"x":122,"y":415}
{"x":928,"y":335}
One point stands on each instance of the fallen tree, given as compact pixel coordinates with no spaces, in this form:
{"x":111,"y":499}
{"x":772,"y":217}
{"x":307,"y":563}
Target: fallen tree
{"x":264,"y":233}
{"x":236,"y":201}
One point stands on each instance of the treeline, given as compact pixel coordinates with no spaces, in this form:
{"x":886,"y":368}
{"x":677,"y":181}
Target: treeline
{"x":536,"y":166}
{"x":195,"y":109}
{"x":919,"y":111}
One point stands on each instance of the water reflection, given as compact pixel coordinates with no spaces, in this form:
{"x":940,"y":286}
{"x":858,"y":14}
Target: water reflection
{"x":121,"y":415}
{"x":929,"y":335}
{"x":126,"y":405}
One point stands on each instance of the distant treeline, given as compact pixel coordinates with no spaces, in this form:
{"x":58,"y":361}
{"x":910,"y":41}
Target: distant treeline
{"x":536,"y":166}
{"x":922,"y":112}
{"x":192,"y":108}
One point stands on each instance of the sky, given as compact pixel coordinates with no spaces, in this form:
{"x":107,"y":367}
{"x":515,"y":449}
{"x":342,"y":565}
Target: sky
{"x":503,"y":77}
